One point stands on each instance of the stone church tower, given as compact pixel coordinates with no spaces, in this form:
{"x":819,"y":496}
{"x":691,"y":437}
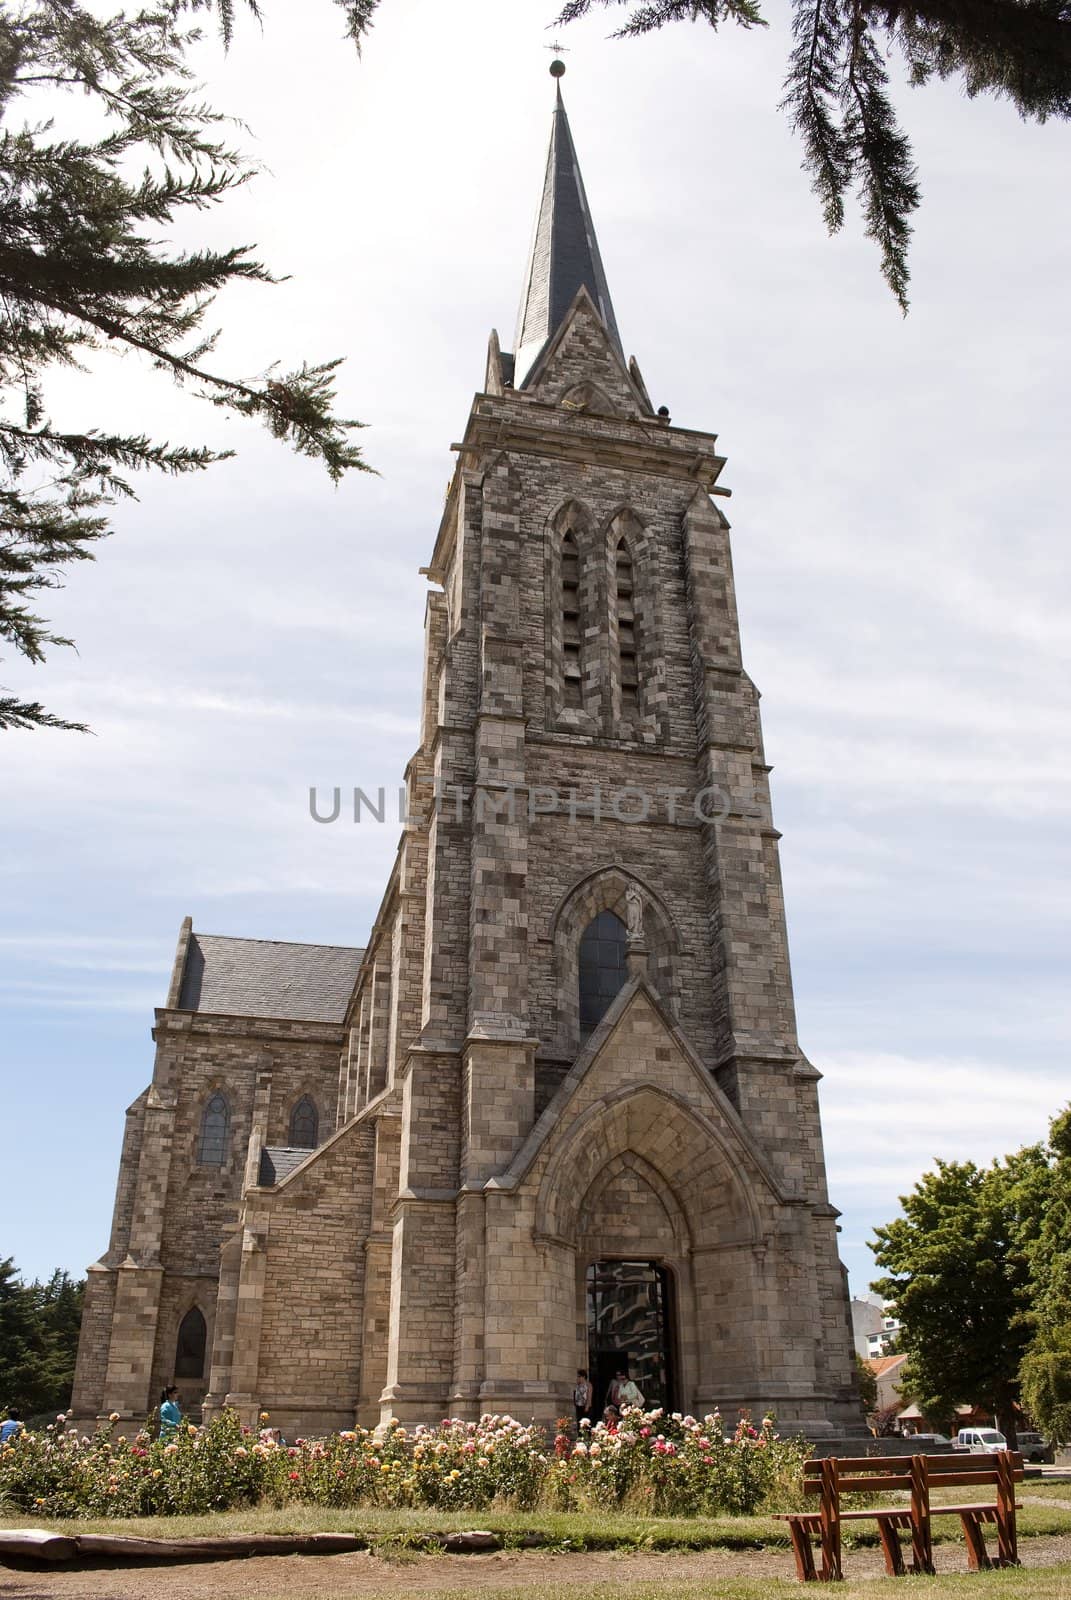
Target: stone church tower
{"x":555,"y":1113}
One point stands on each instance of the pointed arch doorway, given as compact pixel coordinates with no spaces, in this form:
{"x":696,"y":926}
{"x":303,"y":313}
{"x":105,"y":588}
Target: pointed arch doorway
{"x":631,"y":1326}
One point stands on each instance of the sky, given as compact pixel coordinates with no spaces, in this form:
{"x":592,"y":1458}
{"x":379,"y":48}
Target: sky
{"x":899,"y":542}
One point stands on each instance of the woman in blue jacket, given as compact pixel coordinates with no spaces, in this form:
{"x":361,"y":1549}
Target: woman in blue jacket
{"x":170,"y":1415}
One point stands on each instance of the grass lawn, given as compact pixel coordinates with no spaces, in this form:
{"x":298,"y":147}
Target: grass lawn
{"x":1052,"y":1583}
{"x":397,"y":1530}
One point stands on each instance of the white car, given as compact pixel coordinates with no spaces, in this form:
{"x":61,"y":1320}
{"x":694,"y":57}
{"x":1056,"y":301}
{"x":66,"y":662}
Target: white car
{"x":980,"y":1441}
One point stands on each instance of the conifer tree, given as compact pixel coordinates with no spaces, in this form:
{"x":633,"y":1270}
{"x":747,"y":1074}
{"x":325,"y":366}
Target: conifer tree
{"x":85,"y":268}
{"x":39,"y":1324}
{"x":837,"y":87}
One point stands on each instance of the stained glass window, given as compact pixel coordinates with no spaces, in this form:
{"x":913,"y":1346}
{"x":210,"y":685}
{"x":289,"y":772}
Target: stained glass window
{"x":304,"y":1125}
{"x":215,"y":1127}
{"x":602,"y":967}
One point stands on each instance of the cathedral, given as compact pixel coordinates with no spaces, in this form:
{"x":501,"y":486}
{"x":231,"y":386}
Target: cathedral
{"x":554,"y":1113}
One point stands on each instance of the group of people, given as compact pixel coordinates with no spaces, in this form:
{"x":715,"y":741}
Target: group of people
{"x":623,"y":1391}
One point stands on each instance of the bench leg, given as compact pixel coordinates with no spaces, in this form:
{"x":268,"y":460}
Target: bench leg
{"x":977,"y":1554}
{"x":804,"y":1553}
{"x":832,"y":1571}
{"x":921,"y":1536}
{"x":890,"y":1548}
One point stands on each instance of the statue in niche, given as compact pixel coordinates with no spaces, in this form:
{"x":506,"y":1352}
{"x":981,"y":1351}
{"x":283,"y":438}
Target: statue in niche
{"x":634,"y":913}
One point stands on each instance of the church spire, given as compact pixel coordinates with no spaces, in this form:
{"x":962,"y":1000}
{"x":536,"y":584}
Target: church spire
{"x":565,"y":252}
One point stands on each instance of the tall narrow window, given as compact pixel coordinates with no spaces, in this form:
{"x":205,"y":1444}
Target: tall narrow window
{"x":304,"y":1125}
{"x":603,"y":969}
{"x":572,"y":685}
{"x":627,"y":648}
{"x":190,"y":1349}
{"x":215,"y":1128}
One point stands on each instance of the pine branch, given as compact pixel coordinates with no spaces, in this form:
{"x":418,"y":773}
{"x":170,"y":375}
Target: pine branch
{"x":26,"y":715}
{"x":836,"y":90}
{"x":812,"y":98}
{"x":1018,"y":49}
{"x":85,"y":267}
{"x":881,"y":156}
{"x":648,"y":18}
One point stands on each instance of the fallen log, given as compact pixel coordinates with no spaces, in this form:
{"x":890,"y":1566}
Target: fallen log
{"x":219,"y":1546}
{"x":37,"y":1544}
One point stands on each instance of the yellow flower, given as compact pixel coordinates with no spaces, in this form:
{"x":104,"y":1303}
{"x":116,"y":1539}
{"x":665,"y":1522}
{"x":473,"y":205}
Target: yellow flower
{"x":264,"y":1415}
{"x":114,"y":1417}
{"x":455,"y":1474}
{"x":190,"y":1428}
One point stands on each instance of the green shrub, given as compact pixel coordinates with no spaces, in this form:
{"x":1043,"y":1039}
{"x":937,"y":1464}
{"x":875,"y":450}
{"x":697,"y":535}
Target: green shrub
{"x":652,"y":1463}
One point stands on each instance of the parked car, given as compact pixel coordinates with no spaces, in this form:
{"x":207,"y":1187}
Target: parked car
{"x":980,"y":1441}
{"x":1035,"y":1448}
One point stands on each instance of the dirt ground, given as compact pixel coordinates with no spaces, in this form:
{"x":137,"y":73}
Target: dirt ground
{"x":363,"y":1575}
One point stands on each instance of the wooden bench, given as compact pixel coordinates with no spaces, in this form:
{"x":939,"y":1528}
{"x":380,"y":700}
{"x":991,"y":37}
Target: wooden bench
{"x":833,"y":1476}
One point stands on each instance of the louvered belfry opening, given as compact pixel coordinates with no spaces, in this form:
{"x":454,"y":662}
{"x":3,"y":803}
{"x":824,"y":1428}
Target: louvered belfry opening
{"x":627,"y":647}
{"x":572,"y":669}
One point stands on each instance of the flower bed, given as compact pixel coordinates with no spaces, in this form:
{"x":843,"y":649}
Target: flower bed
{"x":654,"y":1463}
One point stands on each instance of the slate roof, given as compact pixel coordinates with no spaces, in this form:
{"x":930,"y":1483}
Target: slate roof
{"x":268,"y":978}
{"x":565,"y":254}
{"x":278,"y":1162}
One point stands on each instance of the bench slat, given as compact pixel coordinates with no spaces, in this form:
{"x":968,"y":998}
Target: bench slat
{"x":888,"y":1480}
{"x":962,"y":1462}
{"x":964,"y":1480}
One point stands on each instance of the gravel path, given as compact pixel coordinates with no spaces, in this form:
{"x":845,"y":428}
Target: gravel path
{"x":362,"y":1576}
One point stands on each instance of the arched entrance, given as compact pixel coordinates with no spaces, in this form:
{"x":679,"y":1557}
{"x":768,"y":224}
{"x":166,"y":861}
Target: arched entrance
{"x":631,"y":1327}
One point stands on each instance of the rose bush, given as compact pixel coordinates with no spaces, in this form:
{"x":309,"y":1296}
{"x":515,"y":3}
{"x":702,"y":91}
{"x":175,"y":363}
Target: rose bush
{"x":674,"y":1465}
{"x":653,"y":1462}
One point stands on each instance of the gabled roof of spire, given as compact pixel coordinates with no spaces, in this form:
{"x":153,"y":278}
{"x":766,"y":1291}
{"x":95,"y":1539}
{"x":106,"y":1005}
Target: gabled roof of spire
{"x":565,"y":254}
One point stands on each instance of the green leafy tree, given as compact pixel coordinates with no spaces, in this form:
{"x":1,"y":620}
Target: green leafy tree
{"x":86,"y":267}
{"x":837,"y":87}
{"x":1045,"y":1373}
{"x":959,"y":1276}
{"x":868,"y":1384}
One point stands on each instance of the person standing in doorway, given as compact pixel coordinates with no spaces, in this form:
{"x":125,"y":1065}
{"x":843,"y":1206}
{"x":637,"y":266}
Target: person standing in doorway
{"x":583,"y":1394}
{"x":629,"y":1394}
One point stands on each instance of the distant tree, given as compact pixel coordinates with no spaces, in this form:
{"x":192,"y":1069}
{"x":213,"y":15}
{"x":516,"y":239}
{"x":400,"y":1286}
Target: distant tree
{"x":1045,"y":1373}
{"x":958,"y":1265}
{"x":86,"y":265}
{"x":39,"y":1326}
{"x":836,"y":89}
{"x":868,"y":1384}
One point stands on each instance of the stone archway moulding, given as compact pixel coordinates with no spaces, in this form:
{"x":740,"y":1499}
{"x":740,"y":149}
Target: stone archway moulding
{"x":630,"y":1161}
{"x":602,"y":1132}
